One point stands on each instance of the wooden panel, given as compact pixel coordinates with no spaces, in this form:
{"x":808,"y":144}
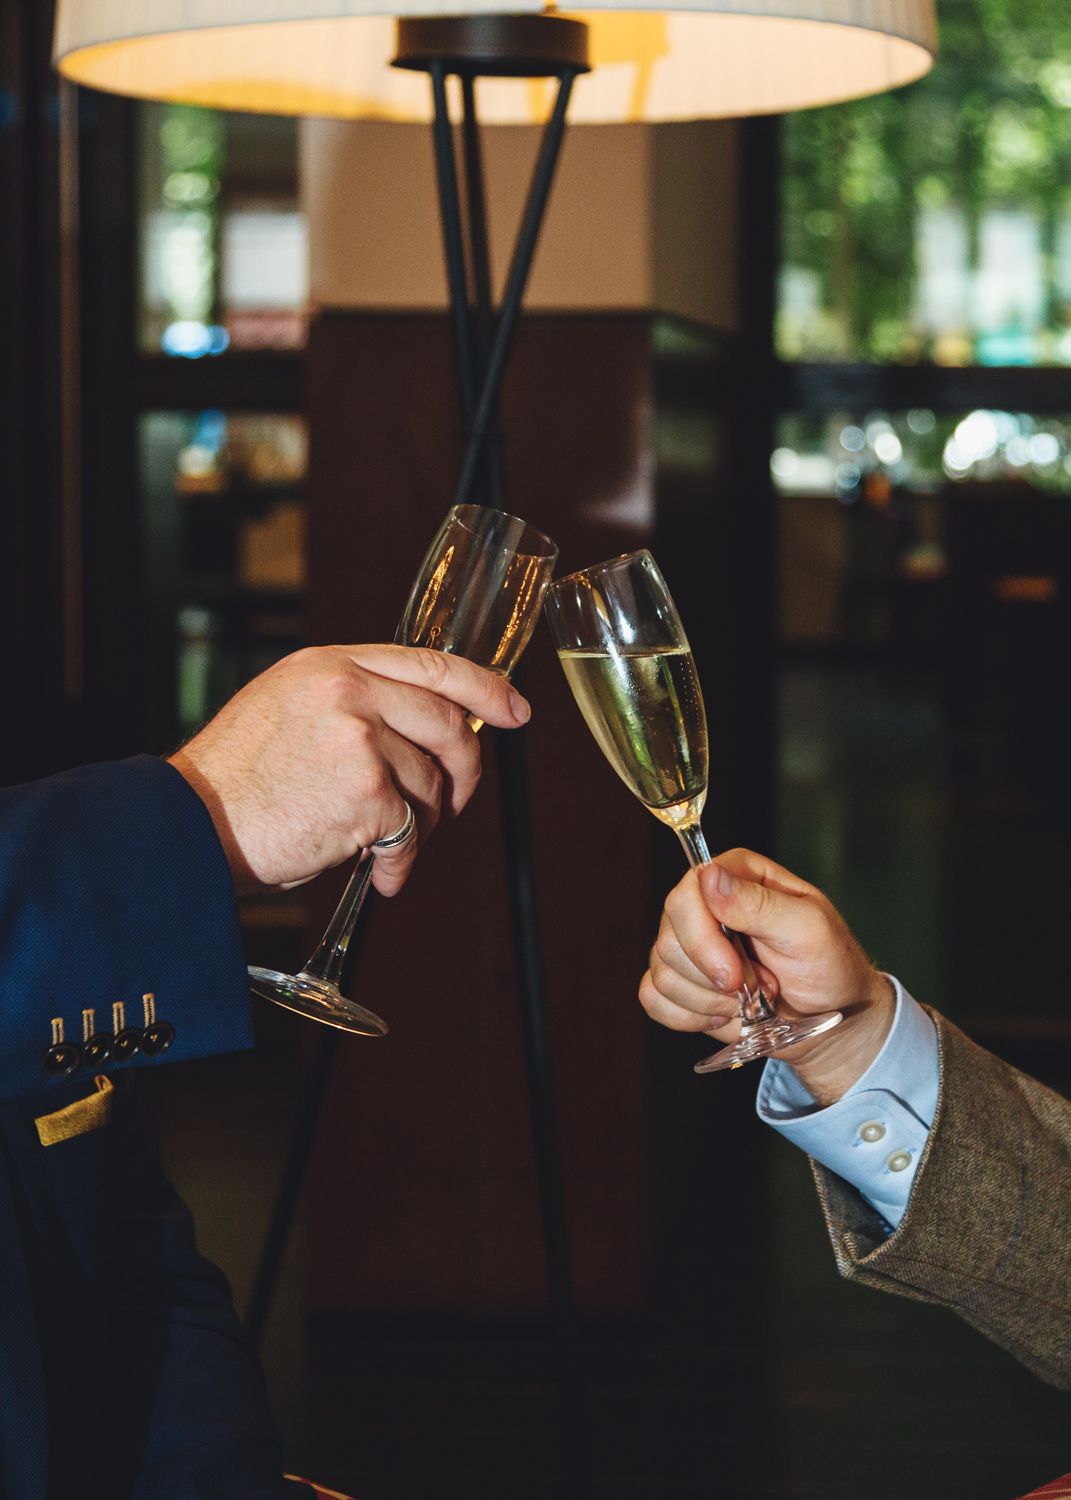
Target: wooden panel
{"x":422,"y":1193}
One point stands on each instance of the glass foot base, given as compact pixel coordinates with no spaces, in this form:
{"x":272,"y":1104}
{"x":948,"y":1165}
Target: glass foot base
{"x":316,"y":998}
{"x":766,"y":1037}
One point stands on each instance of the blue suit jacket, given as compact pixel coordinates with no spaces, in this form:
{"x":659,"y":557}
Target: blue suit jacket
{"x":124,"y":1371}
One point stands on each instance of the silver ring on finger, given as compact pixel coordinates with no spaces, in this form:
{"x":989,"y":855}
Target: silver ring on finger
{"x":404,"y":834}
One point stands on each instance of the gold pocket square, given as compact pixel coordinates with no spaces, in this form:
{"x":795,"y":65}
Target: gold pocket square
{"x":75,"y":1119}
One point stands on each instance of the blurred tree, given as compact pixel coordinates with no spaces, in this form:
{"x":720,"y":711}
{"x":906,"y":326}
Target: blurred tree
{"x":966,"y":173}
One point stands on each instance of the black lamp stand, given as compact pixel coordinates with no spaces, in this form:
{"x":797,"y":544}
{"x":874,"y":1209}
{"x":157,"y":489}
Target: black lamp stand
{"x":528,"y":46}
{"x":511,"y":46}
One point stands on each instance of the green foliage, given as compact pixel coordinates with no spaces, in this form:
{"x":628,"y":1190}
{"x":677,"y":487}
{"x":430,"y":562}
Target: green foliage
{"x":988,"y":128}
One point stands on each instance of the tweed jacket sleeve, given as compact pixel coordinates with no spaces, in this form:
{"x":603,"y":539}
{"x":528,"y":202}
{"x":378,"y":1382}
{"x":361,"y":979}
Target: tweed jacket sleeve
{"x":987,"y":1231}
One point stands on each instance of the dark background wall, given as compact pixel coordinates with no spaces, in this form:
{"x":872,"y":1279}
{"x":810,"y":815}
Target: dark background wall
{"x":610,"y":445}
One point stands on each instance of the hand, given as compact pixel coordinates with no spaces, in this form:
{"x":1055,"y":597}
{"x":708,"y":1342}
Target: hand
{"x":316,"y":758}
{"x":806,"y":956}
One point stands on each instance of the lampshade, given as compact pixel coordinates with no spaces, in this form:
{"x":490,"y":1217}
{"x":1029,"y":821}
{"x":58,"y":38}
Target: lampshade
{"x":651,"y":61}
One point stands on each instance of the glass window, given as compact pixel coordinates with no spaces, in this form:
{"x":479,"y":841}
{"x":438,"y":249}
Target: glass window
{"x":224,"y":530}
{"x":925,"y":568}
{"x":935,"y":223}
{"x":881,"y":511}
{"x":224,"y":246}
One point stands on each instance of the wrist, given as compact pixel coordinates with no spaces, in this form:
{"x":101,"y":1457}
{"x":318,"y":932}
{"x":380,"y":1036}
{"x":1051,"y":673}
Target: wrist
{"x":833,"y":1062}
{"x":241,"y":873}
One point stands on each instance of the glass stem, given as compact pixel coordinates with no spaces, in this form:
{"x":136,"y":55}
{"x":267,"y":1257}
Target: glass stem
{"x":326,"y":963}
{"x":695,"y":845}
{"x":753,"y":1003}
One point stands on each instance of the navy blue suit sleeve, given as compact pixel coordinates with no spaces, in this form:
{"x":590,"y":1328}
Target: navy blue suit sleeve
{"x":113,"y":884}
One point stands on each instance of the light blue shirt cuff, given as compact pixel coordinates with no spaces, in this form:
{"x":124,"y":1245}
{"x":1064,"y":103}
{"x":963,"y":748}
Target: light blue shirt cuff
{"x":873,"y":1136}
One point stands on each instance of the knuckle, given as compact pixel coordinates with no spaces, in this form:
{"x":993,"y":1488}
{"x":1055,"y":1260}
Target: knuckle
{"x":434,"y":778}
{"x":362,"y":735}
{"x":434,"y":666}
{"x":751,"y":896}
{"x":664,"y":946}
{"x":345,"y":682}
{"x":383,"y":787}
{"x":320,"y":665}
{"x":370,"y":780}
{"x":824,"y":909}
{"x":330,"y":691}
{"x":457,"y":725}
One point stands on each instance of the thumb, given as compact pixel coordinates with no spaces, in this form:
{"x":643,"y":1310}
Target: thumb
{"x":773,"y":917}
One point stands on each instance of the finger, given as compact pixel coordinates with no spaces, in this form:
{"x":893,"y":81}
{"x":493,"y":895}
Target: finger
{"x":745,"y":864}
{"x":771,"y":985}
{"x":438,"y":727}
{"x":667,"y":950}
{"x":417,"y":778}
{"x":687,"y":995}
{"x":418,"y":785}
{"x":676,"y":1017}
{"x":481,"y":693}
{"x":384,"y":775}
{"x":391,"y":867}
{"x":785,"y":923}
{"x":701,"y":939}
{"x":730,"y":1032}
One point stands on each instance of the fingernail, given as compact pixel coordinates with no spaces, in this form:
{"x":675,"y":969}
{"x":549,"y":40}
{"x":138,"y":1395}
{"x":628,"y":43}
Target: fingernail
{"x":717,"y":1022}
{"x":726,"y":883}
{"x":520,"y":707}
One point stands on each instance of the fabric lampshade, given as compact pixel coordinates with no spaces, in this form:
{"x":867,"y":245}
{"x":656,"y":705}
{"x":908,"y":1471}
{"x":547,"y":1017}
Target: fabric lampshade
{"x":651,"y":62}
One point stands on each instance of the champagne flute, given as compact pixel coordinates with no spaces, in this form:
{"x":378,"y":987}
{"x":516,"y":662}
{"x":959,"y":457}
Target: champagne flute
{"x":627,"y":659}
{"x":478,"y":594}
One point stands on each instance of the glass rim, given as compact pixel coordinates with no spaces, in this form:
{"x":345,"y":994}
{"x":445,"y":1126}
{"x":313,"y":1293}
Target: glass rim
{"x":611,"y":562}
{"x":456,"y":513}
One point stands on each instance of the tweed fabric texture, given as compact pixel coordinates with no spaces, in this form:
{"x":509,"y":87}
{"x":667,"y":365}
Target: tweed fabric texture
{"x":987,"y":1230}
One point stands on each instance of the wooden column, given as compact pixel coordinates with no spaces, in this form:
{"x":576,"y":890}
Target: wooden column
{"x":620,"y":412}
{"x":423,"y":1188}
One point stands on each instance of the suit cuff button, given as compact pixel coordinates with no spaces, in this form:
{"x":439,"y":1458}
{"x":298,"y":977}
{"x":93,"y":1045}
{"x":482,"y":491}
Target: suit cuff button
{"x":125,"y":1044}
{"x":156,"y":1039}
{"x":62,"y":1059}
{"x":97,"y":1049}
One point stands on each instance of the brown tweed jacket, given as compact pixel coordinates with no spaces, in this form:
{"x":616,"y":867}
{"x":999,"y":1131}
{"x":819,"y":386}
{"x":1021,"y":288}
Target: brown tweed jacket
{"x":987,"y":1231}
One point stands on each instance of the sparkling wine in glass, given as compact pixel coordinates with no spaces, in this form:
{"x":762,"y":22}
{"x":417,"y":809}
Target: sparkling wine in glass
{"x":627,"y":659}
{"x":477,"y":594}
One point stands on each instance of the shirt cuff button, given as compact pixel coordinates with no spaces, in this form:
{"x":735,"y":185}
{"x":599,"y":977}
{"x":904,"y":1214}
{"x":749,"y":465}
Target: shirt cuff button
{"x":872,"y":1131}
{"x":899,"y":1161}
